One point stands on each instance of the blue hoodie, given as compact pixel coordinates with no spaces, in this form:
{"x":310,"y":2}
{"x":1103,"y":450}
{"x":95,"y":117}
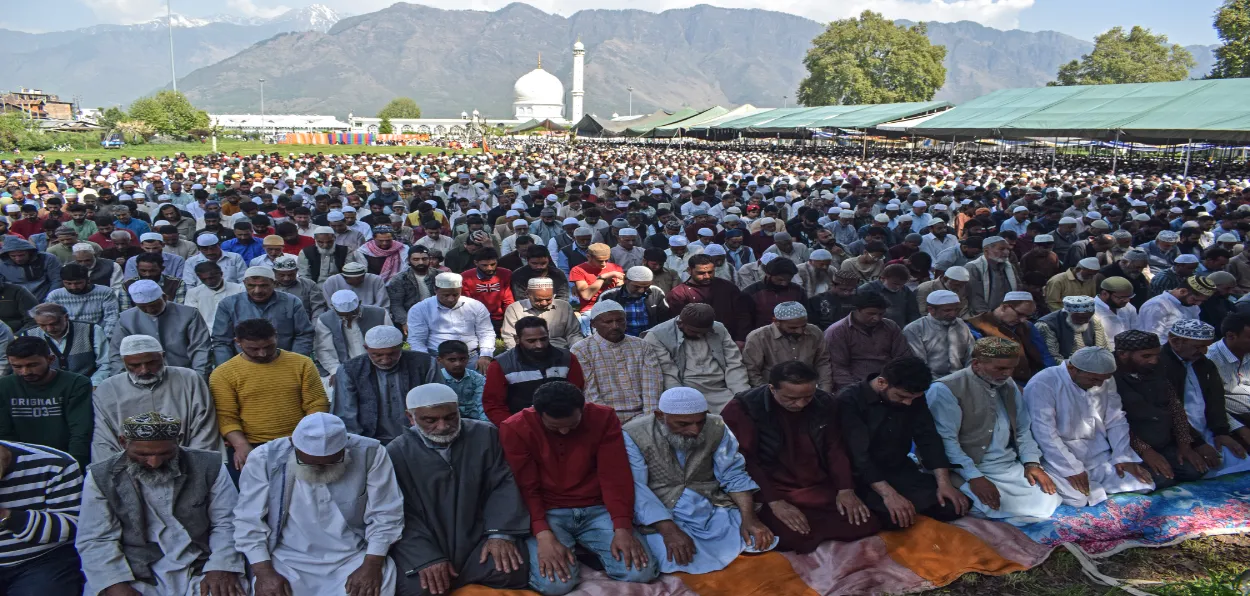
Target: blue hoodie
{"x":41,"y":273}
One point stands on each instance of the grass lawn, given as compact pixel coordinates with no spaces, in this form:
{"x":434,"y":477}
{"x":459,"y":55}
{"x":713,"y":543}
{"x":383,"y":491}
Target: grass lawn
{"x":224,"y":146}
{"x":1202,"y":567}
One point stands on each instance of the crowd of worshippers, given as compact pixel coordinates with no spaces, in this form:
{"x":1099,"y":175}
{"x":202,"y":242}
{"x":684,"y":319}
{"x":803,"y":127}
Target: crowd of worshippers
{"x":407,"y":374}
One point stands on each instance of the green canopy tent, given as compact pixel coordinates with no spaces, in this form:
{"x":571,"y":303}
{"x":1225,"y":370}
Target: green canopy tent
{"x":535,"y":124}
{"x":642,"y":127}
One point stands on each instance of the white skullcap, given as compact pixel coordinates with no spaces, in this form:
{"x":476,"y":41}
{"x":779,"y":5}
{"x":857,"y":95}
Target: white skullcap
{"x":627,"y":232}
{"x":919,"y":204}
{"x":767,"y":220}
{"x":1186,"y":259}
{"x":448,"y":280}
{"x":139,"y":344}
{"x":706,"y":232}
{"x":430,"y":394}
{"x":1043,"y":238}
{"x":206,"y":240}
{"x":538,"y":283}
{"x":320,"y":434}
{"x":604,"y":306}
{"x":83,"y":247}
{"x":820,"y":254}
{"x":1020,"y":209}
{"x":151,"y":237}
{"x":383,"y":336}
{"x":583,"y":231}
{"x":941,"y":297}
{"x":144,"y":291}
{"x":957,"y":273}
{"x":285,"y":263}
{"x":639,"y":273}
{"x":678,"y":241}
{"x":714,"y":250}
{"x":570,"y":221}
{"x":1088,"y":263}
{"x":334,"y":216}
{"x":520,"y":223}
{"x":1093,"y":359}
{"x":789,"y":311}
{"x":512,"y":213}
{"x":1018,"y":296}
{"x":319,"y":230}
{"x":881,"y":218}
{"x":682,"y":400}
{"x":1228,"y":238}
{"x":345,"y":301}
{"x":991,"y":241}
{"x":767,"y":258}
{"x":1067,"y":221}
{"x":265,"y":272}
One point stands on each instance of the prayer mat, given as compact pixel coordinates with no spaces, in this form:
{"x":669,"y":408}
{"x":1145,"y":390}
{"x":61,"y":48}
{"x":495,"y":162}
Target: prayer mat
{"x":940,"y":552}
{"x":1189,"y":510}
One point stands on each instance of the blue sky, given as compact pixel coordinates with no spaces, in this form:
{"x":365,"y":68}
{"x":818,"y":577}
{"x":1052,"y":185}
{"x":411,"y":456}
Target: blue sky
{"x":1184,"y":21}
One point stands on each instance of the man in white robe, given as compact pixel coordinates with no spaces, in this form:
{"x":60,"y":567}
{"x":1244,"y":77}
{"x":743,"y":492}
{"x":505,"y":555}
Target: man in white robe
{"x":1159,"y":313}
{"x":148,"y":385}
{"x":301,"y":520}
{"x":1197,"y":380}
{"x":941,"y":339}
{"x":134,"y":497}
{"x":1113,"y":309}
{"x":1002,"y":467}
{"x":1082,"y":431}
{"x":705,"y":522}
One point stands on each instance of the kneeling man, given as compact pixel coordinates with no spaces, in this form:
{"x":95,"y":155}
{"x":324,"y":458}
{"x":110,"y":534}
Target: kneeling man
{"x":692,"y":495}
{"x":463,"y":515}
{"x":156,"y":519}
{"x":987,"y":433}
{"x":318,"y":512}
{"x":1082,"y":431}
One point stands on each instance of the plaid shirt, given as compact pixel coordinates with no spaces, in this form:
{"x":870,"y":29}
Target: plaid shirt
{"x":469,"y":391}
{"x":620,"y":375}
{"x":636,"y":318}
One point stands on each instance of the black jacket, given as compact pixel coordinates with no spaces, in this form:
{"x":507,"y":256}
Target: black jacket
{"x":1173,"y":371}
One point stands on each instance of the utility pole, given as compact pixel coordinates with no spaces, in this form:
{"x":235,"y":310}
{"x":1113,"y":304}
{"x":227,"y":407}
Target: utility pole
{"x":262,"y":107}
{"x":631,"y":99}
{"x":169,"y":20}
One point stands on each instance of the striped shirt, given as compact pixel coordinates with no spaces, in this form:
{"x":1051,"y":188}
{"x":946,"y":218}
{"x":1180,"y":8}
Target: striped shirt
{"x":98,"y":307}
{"x":41,"y":489}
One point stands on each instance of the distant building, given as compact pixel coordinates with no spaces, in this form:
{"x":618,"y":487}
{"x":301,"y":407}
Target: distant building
{"x":37,"y":105}
{"x":277,"y":123}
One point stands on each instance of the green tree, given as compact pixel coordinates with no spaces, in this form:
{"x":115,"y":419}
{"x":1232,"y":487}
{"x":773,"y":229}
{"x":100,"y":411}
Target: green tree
{"x":110,"y":117}
{"x":168,"y":113}
{"x":1232,"y":21}
{"x":385,"y":127}
{"x":401,"y":107}
{"x":1138,"y":56}
{"x":871,"y":60}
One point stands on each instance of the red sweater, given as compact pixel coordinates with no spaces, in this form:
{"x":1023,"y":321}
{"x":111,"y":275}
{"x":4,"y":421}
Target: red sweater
{"x":495,"y":293}
{"x":520,"y":386}
{"x":298,"y":247}
{"x":584,"y":468}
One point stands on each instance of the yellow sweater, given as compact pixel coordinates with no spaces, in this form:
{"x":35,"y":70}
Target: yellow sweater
{"x":266,"y":401}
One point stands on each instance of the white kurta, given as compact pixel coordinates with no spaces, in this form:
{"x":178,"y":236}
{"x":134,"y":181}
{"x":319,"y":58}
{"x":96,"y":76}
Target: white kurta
{"x":1159,"y":313}
{"x":99,"y":537}
{"x":1078,"y":431}
{"x":1114,"y":323}
{"x":1196,"y":412}
{"x":205,"y":300}
{"x":318,"y":550}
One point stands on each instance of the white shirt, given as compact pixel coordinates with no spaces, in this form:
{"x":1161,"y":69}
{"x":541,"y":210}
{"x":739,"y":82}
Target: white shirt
{"x":1159,"y":313}
{"x":1236,"y":376}
{"x":1075,"y":428}
{"x":934,"y":247}
{"x":1114,"y":323}
{"x":205,"y":299}
{"x":431,"y":323}
{"x":231,"y":263}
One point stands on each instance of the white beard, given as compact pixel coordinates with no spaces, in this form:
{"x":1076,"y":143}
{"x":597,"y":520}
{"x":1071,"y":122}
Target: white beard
{"x":319,"y":474}
{"x":440,"y":439}
{"x":1078,"y":328}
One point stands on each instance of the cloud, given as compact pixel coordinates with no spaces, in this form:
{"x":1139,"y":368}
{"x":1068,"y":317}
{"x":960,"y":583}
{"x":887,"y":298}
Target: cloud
{"x":248,"y":8}
{"x":1002,"y":14}
{"x":125,"y":12}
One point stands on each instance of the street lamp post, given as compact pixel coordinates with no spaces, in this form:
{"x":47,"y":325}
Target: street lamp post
{"x":785,"y":101}
{"x":631,"y":99}
{"x":169,"y":21}
{"x":262,"y":109}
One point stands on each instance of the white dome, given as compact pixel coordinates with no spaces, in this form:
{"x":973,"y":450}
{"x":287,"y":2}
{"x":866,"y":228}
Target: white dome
{"x":578,"y":45}
{"x":539,"y":87}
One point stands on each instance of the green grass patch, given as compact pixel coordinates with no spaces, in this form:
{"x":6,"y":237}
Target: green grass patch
{"x":223,"y":146}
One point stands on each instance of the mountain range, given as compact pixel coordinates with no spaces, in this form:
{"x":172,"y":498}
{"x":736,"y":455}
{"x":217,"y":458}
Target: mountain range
{"x":450,"y":61}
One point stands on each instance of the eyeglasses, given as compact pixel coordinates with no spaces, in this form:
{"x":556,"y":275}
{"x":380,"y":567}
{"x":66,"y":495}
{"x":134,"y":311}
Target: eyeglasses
{"x":342,"y":457}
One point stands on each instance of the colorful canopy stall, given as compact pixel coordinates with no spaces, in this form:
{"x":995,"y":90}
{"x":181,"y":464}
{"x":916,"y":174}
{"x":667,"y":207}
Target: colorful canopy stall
{"x":1155,"y":113}
{"x":333,"y":138}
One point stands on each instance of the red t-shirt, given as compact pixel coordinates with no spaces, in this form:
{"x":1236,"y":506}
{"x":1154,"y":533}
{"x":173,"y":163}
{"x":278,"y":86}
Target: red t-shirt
{"x":494,"y":292}
{"x":590,"y":274}
{"x":300,"y":245}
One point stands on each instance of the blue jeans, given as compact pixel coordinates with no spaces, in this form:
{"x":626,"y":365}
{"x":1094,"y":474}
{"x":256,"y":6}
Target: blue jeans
{"x":592,"y":528}
{"x":54,"y":573}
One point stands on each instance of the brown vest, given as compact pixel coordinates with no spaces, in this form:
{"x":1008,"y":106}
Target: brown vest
{"x":976,"y":427}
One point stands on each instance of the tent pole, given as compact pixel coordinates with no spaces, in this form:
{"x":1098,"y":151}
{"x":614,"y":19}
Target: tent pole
{"x":1000,"y":152}
{"x":1115,"y":152}
{"x":1054,"y":151}
{"x":865,"y":144}
{"x":1188,"y":149}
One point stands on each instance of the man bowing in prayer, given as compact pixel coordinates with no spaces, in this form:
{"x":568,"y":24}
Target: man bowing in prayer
{"x":693,"y":350}
{"x":318,"y":512}
{"x":1068,"y":330}
{"x":785,"y":427}
{"x":1081,"y":430}
{"x":692,"y":494}
{"x":156,"y":518}
{"x":985,"y":429}
{"x":369,"y":389}
{"x":941,"y":339}
{"x":464,"y":520}
{"x":882,"y":418}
